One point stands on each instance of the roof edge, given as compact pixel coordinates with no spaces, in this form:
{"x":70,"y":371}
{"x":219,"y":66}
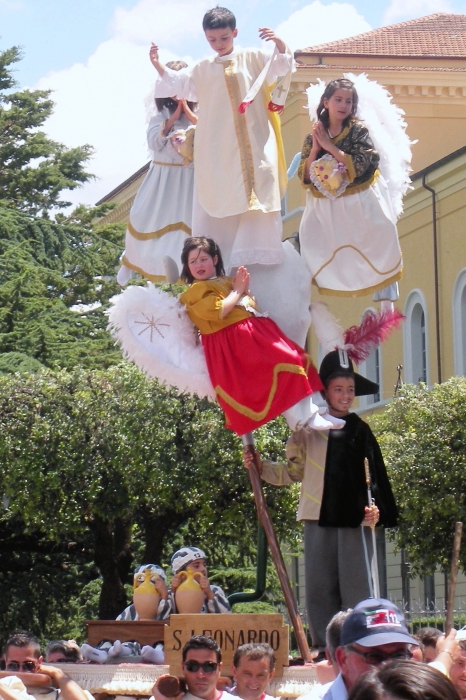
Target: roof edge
{"x":345,"y":54}
{"x":124,"y":184}
{"x":438,"y":164}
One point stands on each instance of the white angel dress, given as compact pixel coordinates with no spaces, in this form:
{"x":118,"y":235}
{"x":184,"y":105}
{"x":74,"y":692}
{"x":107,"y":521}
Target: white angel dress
{"x":160,"y":219}
{"x":348,"y":236}
{"x":240,"y":173}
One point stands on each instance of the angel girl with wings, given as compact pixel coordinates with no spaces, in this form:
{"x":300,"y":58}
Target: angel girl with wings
{"x":354,"y":166}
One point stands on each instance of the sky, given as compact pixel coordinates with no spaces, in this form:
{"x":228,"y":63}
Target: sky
{"x":93,"y":54}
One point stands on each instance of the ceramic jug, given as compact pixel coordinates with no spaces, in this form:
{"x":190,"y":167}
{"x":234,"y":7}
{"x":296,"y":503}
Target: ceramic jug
{"x":146,"y":597}
{"x":189,"y":596}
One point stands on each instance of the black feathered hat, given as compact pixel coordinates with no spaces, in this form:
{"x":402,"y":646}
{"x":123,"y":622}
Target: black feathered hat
{"x":338,"y":362}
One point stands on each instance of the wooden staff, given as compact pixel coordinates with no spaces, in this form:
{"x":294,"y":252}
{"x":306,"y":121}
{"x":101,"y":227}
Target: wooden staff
{"x":374,"y":563}
{"x":266,"y":522}
{"x":455,"y":560}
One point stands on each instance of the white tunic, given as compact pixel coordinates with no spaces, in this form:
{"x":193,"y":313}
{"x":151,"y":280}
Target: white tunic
{"x":161,"y":216}
{"x":239,"y":160}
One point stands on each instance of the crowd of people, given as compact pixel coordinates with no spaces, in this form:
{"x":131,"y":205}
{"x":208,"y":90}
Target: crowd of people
{"x":371,"y":655}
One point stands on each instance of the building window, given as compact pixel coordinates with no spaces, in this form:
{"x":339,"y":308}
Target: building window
{"x":459,"y":323}
{"x":418,"y":345}
{"x":371,"y":369}
{"x":372,"y":372}
{"x":415,"y":339}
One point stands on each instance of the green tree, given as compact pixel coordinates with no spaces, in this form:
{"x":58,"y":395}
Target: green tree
{"x":423,"y":438}
{"x":55,"y":282}
{"x":34,"y":169}
{"x":112,"y":455}
{"x":44,"y":585}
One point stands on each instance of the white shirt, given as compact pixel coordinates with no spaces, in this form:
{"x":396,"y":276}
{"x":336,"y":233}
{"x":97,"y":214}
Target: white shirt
{"x":317,"y":692}
{"x":337,"y":690}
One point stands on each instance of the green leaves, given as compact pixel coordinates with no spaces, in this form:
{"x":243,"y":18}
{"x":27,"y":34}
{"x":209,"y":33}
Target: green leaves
{"x":423,"y":438}
{"x":55,"y":282}
{"x":114,"y":454}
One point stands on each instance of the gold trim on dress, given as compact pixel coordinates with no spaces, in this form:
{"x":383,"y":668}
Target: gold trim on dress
{"x":276,"y":124}
{"x":349,"y":190}
{"x":177,"y":165}
{"x":260,"y":415}
{"x":364,"y":257}
{"x":140,"y":271}
{"x":350,"y":168}
{"x":178,"y":226}
{"x":342,"y":134}
{"x":241,"y":129}
{"x":360,"y":292}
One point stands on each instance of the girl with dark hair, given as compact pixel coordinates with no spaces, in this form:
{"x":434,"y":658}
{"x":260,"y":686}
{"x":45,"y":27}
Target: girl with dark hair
{"x":161,"y":216}
{"x":348,"y":233}
{"x":404,"y":680}
{"x":256,"y":371}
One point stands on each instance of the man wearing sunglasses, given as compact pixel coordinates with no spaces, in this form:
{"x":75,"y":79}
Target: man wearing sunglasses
{"x":202,"y":664}
{"x":373,"y":633}
{"x":22,"y":655}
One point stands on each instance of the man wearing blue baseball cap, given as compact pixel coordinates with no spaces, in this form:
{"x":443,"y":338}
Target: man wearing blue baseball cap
{"x":374,"y":632}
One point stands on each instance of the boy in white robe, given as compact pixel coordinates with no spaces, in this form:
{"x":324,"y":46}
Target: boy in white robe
{"x":240,"y":174}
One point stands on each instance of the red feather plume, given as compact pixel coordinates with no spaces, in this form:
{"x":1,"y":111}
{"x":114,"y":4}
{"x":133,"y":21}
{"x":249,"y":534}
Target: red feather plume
{"x":371,"y":332}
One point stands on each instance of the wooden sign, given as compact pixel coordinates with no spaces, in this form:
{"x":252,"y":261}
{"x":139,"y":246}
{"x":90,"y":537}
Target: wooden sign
{"x":230,"y":632}
{"x":143,"y":631}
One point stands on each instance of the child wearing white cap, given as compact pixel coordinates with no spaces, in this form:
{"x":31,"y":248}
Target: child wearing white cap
{"x":215,"y":600}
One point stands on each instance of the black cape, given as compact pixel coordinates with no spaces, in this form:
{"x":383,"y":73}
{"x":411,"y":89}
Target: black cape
{"x":345,"y":491}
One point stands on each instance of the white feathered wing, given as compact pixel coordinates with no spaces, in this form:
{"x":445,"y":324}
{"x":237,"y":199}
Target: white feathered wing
{"x":155,"y":333}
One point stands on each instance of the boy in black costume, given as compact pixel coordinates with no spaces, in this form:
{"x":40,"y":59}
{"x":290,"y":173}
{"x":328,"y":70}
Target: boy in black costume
{"x":333,"y":501}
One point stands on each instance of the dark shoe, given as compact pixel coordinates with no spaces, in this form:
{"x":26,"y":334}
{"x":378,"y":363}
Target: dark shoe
{"x":320,"y":657}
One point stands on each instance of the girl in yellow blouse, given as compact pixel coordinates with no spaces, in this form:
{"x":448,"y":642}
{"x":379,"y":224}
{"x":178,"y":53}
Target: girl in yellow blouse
{"x":256,"y":371}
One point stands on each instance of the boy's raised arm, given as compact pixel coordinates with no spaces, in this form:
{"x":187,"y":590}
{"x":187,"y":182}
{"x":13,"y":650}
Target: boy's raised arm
{"x":269,"y":35}
{"x":154,"y":59}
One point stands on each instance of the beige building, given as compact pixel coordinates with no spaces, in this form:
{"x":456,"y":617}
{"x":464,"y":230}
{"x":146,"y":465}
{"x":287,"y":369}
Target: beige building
{"x":423,"y":65}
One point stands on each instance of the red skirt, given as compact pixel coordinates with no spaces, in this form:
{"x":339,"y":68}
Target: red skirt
{"x":257,"y":372}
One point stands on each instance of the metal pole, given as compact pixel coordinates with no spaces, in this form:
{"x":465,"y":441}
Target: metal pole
{"x":453,"y":575}
{"x":261,"y":576}
{"x":436,"y":276}
{"x":266,"y":522}
{"x":374,"y":563}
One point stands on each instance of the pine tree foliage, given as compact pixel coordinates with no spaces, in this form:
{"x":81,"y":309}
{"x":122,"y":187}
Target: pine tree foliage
{"x":55,"y":282}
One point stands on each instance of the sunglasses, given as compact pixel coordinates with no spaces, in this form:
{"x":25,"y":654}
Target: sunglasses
{"x":26,"y":666}
{"x":194,"y":666}
{"x":377,"y":657}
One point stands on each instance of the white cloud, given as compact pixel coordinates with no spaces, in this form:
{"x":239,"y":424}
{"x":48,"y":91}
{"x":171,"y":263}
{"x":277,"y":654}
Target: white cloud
{"x":317,"y":24}
{"x":401,"y":10}
{"x":151,"y":20}
{"x":103,"y":103}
